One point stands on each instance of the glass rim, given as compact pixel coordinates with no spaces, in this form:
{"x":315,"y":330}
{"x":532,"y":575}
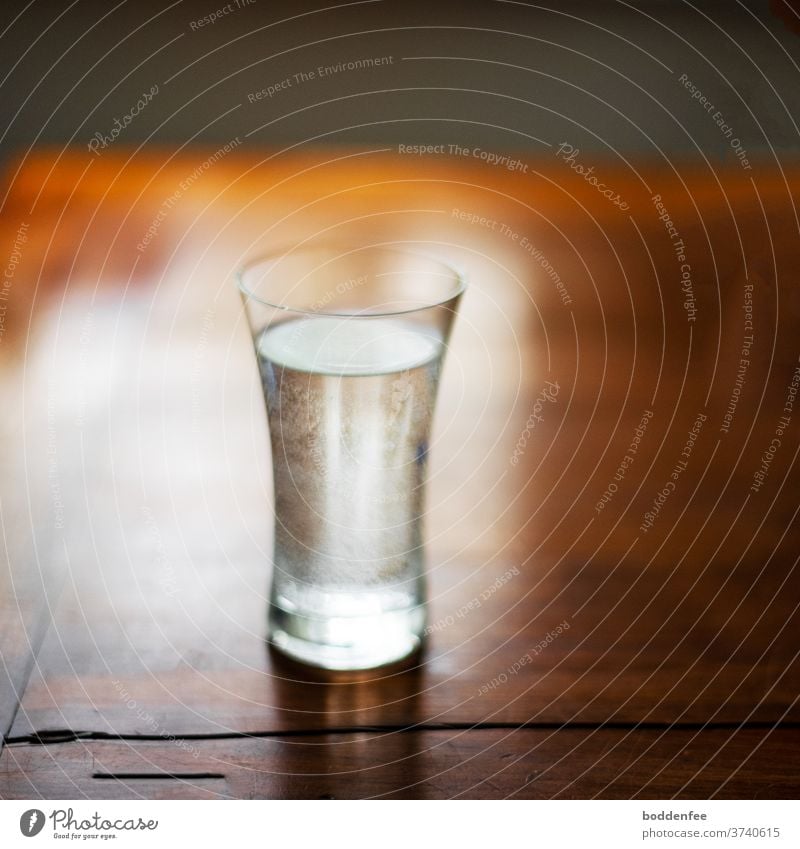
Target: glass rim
{"x":459,"y":278}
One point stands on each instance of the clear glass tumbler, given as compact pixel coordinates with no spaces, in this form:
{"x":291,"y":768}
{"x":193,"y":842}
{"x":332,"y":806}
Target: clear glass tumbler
{"x":349,"y":342}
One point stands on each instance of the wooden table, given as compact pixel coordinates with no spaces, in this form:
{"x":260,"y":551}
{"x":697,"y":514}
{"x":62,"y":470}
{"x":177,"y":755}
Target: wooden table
{"x":613,"y":568}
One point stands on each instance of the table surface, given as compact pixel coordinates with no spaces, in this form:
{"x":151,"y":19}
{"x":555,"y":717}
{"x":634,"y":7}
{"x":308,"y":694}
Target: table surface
{"x":612,"y":571}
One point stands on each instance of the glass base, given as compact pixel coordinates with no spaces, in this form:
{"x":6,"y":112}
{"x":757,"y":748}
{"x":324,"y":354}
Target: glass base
{"x":347,"y":643}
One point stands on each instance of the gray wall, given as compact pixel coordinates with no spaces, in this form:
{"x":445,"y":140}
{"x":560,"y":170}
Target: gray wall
{"x":603,"y":76}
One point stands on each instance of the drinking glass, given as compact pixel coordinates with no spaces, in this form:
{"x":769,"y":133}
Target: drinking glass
{"x":349,"y":341}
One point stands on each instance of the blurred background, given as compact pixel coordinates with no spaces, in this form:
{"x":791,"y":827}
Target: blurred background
{"x":605,"y":75}
{"x":619,"y":180}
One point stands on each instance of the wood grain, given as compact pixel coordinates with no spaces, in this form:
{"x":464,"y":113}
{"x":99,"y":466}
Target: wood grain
{"x":477,"y":764}
{"x":137,"y":510}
